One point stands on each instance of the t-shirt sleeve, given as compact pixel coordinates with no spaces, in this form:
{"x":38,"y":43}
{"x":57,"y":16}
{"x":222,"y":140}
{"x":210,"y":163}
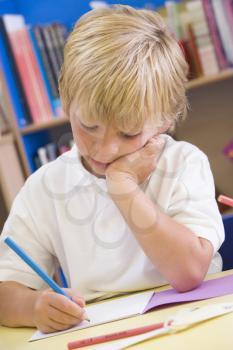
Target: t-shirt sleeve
{"x":193,"y":200}
{"x":30,"y":234}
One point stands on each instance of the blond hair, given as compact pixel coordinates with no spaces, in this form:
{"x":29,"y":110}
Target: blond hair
{"x":122,"y":65}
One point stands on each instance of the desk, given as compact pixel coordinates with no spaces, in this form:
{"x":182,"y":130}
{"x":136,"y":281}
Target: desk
{"x":215,"y":334}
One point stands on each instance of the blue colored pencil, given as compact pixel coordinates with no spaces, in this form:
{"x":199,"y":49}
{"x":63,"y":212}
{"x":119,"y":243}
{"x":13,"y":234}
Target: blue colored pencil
{"x":62,"y":278}
{"x":23,"y":255}
{"x":45,"y":277}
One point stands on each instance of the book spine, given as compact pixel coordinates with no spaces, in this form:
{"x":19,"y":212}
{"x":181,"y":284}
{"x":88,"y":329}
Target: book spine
{"x":224,"y":29}
{"x":173,"y":19}
{"x":202,"y":37}
{"x":51,"y":149}
{"x":55,"y":45}
{"x":50,"y":52}
{"x":228,"y":9}
{"x":24,"y":66}
{"x":196,"y":62}
{"x":52,"y":80}
{"x":45,"y":110}
{"x":61,"y":33}
{"x":208,"y":60}
{"x":54,"y":102}
{"x":214,"y":32}
{"x":28,"y":69}
{"x":13,"y":82}
{"x":42,"y":154}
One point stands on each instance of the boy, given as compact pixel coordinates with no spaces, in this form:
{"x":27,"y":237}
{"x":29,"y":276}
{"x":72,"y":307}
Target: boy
{"x":128,"y":208}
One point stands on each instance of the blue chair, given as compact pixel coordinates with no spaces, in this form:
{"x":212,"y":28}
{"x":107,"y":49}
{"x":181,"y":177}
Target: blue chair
{"x":226,"y":249}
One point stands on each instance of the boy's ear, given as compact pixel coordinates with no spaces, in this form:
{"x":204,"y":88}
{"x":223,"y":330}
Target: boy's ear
{"x":165,"y":127}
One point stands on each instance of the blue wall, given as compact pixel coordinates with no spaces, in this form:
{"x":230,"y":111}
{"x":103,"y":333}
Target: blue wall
{"x":66,"y":11}
{"x":7,"y":6}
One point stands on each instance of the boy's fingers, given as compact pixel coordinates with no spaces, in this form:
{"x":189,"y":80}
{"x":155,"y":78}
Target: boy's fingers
{"x":75,"y":297}
{"x":153,"y":147}
{"x":61,"y":303}
{"x":79,"y":301}
{"x":54,"y":326}
{"x":63,"y":318}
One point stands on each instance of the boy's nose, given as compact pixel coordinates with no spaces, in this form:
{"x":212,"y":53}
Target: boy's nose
{"x":106,"y":150}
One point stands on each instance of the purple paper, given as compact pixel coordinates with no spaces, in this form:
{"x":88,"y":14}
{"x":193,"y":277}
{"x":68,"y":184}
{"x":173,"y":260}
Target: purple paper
{"x":208,"y":289}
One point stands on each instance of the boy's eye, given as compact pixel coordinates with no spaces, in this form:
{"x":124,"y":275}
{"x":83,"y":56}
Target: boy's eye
{"x":89,"y":128}
{"x":128,"y":136}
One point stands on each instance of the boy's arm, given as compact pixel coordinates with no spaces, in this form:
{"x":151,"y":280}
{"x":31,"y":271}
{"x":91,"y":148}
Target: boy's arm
{"x":48,"y":311}
{"x":16,"y":304}
{"x":179,"y":255}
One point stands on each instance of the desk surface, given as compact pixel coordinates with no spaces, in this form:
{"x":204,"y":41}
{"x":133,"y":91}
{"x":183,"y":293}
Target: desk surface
{"x":214,"y":334}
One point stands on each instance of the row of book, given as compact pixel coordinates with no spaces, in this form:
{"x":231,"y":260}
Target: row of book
{"x":31,"y":57}
{"x":50,"y":152}
{"x":205,"y":30}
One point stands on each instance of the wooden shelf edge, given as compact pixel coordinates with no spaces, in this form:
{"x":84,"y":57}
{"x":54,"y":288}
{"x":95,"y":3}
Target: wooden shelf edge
{"x":205,"y":80}
{"x":6,"y":138}
{"x":45,"y":125}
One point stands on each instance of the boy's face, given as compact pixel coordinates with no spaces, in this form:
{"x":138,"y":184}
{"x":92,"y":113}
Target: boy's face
{"x":100,"y":145}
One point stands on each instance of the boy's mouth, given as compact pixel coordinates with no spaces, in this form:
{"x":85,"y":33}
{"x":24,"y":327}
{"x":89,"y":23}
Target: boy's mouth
{"x":99,"y":164}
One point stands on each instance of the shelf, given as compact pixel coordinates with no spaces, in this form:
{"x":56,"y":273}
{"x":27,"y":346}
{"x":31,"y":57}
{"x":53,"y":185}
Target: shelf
{"x":6,"y":138}
{"x":45,"y":125}
{"x":206,"y":80}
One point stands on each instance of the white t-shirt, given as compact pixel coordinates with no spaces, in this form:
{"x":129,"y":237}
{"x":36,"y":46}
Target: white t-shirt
{"x":64,"y":213}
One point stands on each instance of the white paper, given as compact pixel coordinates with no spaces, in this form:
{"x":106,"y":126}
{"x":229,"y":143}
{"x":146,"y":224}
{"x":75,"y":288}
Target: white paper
{"x":107,"y":311}
{"x":183,"y":319}
{"x":190,"y":316}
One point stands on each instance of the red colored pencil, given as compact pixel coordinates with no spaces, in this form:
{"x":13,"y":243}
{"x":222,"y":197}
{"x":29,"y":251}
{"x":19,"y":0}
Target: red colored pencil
{"x":113,"y":336}
{"x":225,"y":200}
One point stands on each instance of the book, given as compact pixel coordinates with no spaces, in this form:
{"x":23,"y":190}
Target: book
{"x":173,"y":19}
{"x":214,"y":32}
{"x":42,"y":154}
{"x":195,"y":61}
{"x":55,"y":44}
{"x":46,"y":62}
{"x":28,"y":68}
{"x":203,"y":40}
{"x":224,"y":28}
{"x":51,"y":149}
{"x":10,"y":74}
{"x":62,"y":34}
{"x":54,"y":64}
{"x":228,"y":9}
{"x":54,"y":101}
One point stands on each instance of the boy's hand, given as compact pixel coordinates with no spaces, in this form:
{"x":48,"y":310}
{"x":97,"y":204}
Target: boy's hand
{"x":136,"y":166}
{"x":54,"y":312}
